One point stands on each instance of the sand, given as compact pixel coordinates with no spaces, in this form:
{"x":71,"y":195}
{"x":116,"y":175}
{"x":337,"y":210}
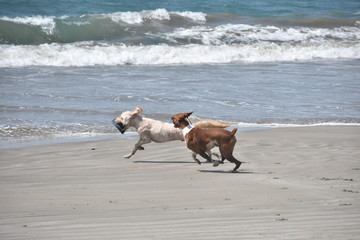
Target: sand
{"x":297,"y":183}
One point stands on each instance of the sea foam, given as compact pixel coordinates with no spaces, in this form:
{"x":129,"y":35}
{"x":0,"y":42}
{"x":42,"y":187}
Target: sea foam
{"x":138,"y":17}
{"x":47,"y":23}
{"x":85,"y":54}
{"x":243,"y":33}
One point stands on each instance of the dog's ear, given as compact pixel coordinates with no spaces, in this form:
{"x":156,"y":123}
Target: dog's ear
{"x":138,"y":110}
{"x":188,"y":114}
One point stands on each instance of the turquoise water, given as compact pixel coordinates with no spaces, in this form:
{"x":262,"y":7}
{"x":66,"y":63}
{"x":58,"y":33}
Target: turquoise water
{"x":255,"y":8}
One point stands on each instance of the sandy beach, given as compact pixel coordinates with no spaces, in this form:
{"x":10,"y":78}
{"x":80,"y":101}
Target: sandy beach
{"x":296,"y":183}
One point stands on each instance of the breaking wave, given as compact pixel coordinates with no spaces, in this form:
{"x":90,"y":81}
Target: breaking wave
{"x":89,"y":54}
{"x":129,"y":27}
{"x":162,"y":37}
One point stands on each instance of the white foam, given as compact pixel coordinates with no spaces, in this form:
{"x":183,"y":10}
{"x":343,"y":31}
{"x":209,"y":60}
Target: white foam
{"x":86,"y":54}
{"x":195,"y":16}
{"x":158,"y":14}
{"x":285,"y":125}
{"x":242,"y":33}
{"x":128,"y":17}
{"x":47,"y":23}
{"x":138,"y":17}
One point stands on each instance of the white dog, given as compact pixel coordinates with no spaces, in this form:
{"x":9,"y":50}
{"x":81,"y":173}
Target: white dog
{"x":151,"y":130}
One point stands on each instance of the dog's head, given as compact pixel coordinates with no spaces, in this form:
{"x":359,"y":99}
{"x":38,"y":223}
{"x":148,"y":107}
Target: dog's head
{"x":181,"y":120}
{"x":127,"y":119}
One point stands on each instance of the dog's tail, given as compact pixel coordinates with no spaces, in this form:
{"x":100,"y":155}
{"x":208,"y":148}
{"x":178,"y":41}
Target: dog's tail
{"x":211,"y":124}
{"x":233,"y":132}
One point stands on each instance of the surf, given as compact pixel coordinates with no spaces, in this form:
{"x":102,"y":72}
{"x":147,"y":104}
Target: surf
{"x":92,"y":54}
{"x":117,"y":26}
{"x":162,"y":37}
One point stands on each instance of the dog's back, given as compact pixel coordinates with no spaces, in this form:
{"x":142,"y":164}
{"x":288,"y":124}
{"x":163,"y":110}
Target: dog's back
{"x":203,"y":135}
{"x":160,"y":131}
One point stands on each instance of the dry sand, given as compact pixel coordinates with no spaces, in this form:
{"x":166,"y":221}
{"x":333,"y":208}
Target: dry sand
{"x":297,"y":183}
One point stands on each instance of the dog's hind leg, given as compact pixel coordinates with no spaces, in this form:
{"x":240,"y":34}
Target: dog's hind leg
{"x":194,"y":157}
{"x":237,"y":163}
{"x":138,"y":146}
{"x":232,"y":159}
{"x":227,"y":153}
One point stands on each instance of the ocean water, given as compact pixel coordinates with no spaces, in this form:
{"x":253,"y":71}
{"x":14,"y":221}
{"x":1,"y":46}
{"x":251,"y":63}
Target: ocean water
{"x":69,"y":67}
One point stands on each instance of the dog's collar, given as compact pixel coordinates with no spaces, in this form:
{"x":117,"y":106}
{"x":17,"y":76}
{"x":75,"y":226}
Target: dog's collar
{"x":187,"y":129}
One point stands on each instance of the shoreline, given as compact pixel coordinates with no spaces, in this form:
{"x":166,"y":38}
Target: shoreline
{"x":295,"y":183}
{"x":27,"y":141}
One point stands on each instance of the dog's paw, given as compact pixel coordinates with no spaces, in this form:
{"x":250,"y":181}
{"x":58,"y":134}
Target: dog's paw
{"x":216,"y":163}
{"x":141,"y":148}
{"x":128,"y":156}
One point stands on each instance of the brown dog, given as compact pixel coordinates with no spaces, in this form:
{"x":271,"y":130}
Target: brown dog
{"x":201,"y":140}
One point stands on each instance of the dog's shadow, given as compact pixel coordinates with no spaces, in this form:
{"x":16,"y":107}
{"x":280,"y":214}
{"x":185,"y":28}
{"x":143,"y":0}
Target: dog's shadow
{"x":225,"y":171}
{"x":159,"y":162}
{"x":193,"y":163}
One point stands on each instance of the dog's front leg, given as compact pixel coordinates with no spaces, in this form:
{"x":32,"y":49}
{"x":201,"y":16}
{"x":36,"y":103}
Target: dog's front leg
{"x":215,"y":162}
{"x":216,"y":155}
{"x":204,"y":155}
{"x":210,"y":156}
{"x":138,"y":146}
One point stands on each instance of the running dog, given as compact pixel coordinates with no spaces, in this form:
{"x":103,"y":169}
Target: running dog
{"x":201,"y":140}
{"x":151,"y":130}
